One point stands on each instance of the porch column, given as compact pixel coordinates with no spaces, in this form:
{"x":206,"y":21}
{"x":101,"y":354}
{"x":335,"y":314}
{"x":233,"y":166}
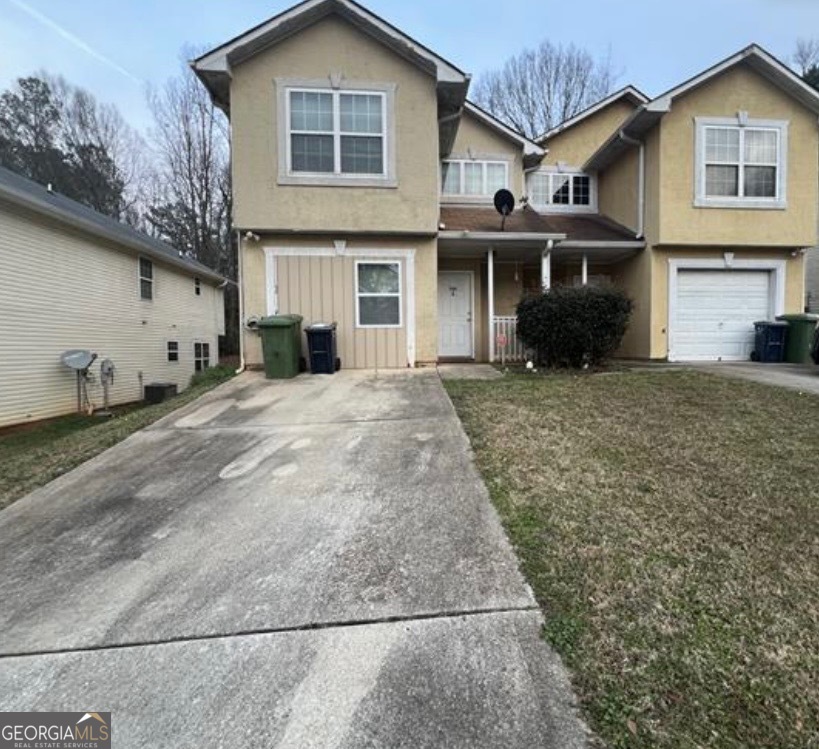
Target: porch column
{"x":490,"y":293}
{"x":546,"y":270}
{"x":584,"y":273}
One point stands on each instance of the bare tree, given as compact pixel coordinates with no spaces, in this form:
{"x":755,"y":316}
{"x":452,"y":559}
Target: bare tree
{"x":191,"y":202}
{"x":539,"y":88}
{"x":806,"y":55}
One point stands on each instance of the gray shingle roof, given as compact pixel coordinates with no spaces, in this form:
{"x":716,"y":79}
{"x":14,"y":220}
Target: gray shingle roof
{"x":24,"y":192}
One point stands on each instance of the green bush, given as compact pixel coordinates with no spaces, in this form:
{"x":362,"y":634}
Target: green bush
{"x":574,"y":326}
{"x":212,"y":375}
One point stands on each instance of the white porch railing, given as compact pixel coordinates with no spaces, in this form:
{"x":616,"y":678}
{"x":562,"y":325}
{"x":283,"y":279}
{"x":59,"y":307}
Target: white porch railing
{"x":508,"y":348}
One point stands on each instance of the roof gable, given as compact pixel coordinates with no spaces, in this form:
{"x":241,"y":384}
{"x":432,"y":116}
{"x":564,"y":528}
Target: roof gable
{"x":630,"y":94}
{"x":531,"y":150}
{"x":649,"y":114}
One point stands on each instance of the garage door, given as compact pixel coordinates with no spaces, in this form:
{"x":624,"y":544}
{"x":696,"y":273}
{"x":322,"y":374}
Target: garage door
{"x":715,"y":311}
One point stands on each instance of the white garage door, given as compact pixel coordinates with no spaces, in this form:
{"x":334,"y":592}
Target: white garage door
{"x":715,"y":312}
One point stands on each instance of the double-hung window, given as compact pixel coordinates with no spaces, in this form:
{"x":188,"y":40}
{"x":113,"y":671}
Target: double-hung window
{"x":740,"y":165}
{"x":201,"y":356}
{"x":146,"y":279}
{"x":378,"y":294}
{"x":337,"y":133}
{"x":572,"y":190}
{"x":473,"y":179}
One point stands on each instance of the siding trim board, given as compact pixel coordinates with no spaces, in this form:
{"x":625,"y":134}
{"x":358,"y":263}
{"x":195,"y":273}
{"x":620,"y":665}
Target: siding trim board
{"x":341,"y":251}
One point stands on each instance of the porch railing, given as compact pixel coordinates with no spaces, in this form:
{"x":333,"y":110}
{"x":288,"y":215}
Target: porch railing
{"x":508,"y":348}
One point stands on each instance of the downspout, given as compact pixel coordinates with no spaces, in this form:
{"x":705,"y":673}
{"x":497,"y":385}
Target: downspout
{"x":641,"y":181}
{"x":241,"y":286}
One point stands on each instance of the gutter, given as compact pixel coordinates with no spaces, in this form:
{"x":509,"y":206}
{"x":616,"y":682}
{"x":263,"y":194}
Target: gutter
{"x":641,"y":180}
{"x":501,"y":236}
{"x":241,"y":286}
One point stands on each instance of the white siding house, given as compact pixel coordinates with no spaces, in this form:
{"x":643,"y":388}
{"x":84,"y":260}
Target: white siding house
{"x":71,"y":278}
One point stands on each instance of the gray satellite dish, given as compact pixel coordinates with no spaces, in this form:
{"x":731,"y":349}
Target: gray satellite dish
{"x":78,"y":359}
{"x":504,"y":204}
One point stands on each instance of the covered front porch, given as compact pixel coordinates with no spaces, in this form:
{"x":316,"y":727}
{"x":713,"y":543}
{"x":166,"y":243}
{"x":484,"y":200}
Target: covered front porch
{"x":480,"y":285}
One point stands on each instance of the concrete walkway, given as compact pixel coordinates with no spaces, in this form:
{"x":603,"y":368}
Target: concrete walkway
{"x":801,"y":377}
{"x":312,"y":563}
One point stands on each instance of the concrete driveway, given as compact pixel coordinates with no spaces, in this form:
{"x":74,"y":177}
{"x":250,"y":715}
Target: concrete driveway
{"x":801,"y":377}
{"x":312,"y":563}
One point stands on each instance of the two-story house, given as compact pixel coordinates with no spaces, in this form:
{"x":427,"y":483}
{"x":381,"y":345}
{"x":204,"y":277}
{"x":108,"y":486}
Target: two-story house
{"x":364,"y":181}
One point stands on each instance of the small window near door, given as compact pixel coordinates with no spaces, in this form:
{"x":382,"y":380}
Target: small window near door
{"x":197,"y":287}
{"x":173,"y":350}
{"x":201,"y":356}
{"x":146,"y":279}
{"x":378,"y":294}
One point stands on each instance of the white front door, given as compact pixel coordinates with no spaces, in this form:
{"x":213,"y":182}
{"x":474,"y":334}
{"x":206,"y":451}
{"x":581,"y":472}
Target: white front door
{"x":455,"y":314}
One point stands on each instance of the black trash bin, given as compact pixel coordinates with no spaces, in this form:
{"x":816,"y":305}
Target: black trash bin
{"x":321,"y":348}
{"x":769,"y":341}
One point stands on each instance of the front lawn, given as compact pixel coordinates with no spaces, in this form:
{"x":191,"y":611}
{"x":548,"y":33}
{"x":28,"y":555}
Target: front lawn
{"x":35,"y":454}
{"x":669,"y":525}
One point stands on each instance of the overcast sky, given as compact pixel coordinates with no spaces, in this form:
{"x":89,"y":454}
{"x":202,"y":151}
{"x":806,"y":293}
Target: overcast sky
{"x":115,"y":48}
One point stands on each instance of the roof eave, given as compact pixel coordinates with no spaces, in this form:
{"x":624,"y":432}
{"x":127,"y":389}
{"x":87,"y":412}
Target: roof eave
{"x":500,"y":236}
{"x":531,"y":150}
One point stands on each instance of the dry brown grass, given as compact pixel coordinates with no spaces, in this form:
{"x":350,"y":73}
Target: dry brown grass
{"x":669,"y":525}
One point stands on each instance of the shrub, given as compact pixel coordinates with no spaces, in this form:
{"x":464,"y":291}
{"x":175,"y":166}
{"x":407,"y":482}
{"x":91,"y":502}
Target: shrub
{"x":574,"y":326}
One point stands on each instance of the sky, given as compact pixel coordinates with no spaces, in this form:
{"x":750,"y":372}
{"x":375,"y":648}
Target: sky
{"x":117,"y":48}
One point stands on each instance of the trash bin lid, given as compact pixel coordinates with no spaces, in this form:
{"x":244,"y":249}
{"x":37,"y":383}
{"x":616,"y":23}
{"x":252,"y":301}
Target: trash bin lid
{"x":772,"y":323}
{"x":798,"y":316}
{"x":321,"y":326}
{"x":280,"y":321}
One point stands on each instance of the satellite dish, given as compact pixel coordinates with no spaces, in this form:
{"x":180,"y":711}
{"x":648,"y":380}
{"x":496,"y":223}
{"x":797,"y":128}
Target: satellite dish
{"x":504,"y":204}
{"x":78,"y":359}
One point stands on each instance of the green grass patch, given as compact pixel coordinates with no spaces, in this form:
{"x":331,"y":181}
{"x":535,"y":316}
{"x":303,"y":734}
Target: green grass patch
{"x":34,"y":454}
{"x":669,"y":525}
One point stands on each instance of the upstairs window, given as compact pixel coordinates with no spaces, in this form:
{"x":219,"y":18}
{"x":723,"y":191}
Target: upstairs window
{"x":473,"y":179}
{"x":337,"y":133}
{"x":197,"y":287}
{"x":146,"y":279}
{"x":740,"y":165}
{"x":573,"y":190}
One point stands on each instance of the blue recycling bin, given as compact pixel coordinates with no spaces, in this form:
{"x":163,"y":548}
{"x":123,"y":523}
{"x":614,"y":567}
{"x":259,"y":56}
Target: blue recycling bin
{"x":321,"y":348}
{"x":769,"y":341}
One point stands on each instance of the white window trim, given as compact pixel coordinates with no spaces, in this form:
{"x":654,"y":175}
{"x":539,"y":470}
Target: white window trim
{"x":701,"y":200}
{"x":141,"y":278}
{"x":200,"y":342}
{"x":338,"y":179}
{"x":400,"y":294}
{"x":564,"y":171}
{"x":776,"y":267}
{"x":463,"y":197}
{"x":168,"y":353}
{"x":341,"y":250}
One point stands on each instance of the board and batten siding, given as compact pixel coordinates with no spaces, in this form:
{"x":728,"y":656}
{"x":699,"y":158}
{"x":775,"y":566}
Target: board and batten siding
{"x":61,"y":289}
{"x":323,"y":289}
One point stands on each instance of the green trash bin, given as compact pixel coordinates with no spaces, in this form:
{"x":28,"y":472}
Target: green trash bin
{"x":800,"y":337}
{"x":281,"y":345}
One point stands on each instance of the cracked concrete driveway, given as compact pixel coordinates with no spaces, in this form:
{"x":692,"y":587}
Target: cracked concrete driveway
{"x":311,"y":563}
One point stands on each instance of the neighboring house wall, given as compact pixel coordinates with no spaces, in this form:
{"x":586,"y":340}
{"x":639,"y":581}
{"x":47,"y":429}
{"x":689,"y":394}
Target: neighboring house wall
{"x":577,"y":143}
{"x":738,"y":89}
{"x":812,"y":279}
{"x":333,"y":47}
{"x":477,"y":141}
{"x":66,"y":290}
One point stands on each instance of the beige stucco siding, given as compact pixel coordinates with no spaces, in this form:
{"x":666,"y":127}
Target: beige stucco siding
{"x":476,"y":140}
{"x":576,"y":144}
{"x":315,"y":280}
{"x":618,"y":188}
{"x":64,"y":290}
{"x":333,"y":47}
{"x":739,"y":89}
{"x":812,"y":279}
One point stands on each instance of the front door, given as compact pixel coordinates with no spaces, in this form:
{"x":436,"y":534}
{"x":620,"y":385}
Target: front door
{"x":455,"y":314}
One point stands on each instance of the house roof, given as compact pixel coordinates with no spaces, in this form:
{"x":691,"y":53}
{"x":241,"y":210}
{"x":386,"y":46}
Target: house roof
{"x":531,"y":151}
{"x":25,"y":193}
{"x":630,"y":93}
{"x":650,"y":113}
{"x":565,"y":228}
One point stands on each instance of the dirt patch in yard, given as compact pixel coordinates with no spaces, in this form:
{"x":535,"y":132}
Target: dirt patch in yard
{"x":669,"y":525}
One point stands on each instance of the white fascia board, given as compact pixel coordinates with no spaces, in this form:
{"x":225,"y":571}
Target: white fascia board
{"x":493,"y":237}
{"x":631,"y":91}
{"x":530,"y":148}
